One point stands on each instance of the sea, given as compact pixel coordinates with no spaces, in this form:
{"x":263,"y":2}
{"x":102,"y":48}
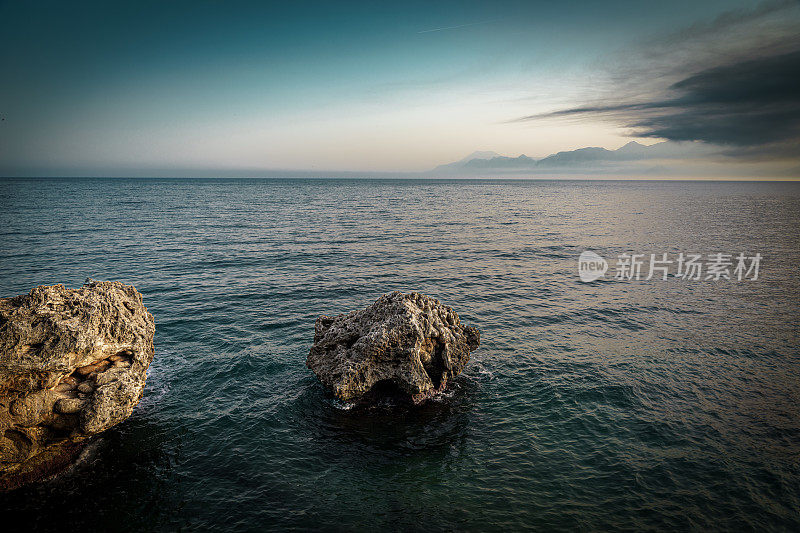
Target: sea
{"x":630,"y":402}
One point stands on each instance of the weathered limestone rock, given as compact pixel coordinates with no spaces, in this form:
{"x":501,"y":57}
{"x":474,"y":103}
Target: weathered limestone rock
{"x":409,"y":343}
{"x":73,"y":363}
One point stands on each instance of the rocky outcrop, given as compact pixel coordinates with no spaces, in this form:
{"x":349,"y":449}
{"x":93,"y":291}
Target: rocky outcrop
{"x":73,"y":363}
{"x":403,"y":343}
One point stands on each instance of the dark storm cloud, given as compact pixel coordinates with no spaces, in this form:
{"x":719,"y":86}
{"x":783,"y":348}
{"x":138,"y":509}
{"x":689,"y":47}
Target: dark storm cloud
{"x":732,"y":18}
{"x":747,"y":103}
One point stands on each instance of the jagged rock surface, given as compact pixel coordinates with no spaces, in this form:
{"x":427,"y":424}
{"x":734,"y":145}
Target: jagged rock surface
{"x":410,"y":343}
{"x":73,"y":363}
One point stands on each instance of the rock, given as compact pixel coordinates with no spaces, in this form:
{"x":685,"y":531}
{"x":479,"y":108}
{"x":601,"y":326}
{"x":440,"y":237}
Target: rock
{"x":53,"y":341}
{"x":69,"y":406}
{"x":64,"y":387}
{"x":86,"y":370}
{"x":70,"y":380}
{"x":403,"y":343}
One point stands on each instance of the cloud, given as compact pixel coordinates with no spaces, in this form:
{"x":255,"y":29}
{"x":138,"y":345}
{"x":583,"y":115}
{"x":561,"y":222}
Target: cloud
{"x":732,"y":18}
{"x":746,"y":99}
{"x":750,"y":103}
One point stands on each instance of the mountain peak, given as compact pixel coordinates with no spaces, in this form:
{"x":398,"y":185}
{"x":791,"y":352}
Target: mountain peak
{"x":632,"y":146}
{"x":480,"y":154}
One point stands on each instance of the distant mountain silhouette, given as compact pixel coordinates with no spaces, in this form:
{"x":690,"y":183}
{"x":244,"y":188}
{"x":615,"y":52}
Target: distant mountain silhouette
{"x":580,"y":159}
{"x":499,"y":162}
{"x":481,"y":154}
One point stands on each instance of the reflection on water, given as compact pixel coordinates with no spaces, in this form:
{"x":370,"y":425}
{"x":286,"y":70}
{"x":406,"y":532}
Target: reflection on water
{"x":396,"y":430}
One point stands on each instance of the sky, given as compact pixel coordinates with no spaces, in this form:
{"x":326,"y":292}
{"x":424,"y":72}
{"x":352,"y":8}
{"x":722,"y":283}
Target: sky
{"x":243,"y":88}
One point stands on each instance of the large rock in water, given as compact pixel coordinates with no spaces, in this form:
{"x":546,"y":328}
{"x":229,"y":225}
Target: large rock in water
{"x":407,"y":343}
{"x":72,"y":364}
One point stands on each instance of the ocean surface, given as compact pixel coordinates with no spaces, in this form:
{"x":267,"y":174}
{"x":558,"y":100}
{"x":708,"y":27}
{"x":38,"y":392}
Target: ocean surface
{"x":620,"y":403}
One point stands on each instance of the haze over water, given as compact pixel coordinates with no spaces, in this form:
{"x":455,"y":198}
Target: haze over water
{"x":627,"y":404}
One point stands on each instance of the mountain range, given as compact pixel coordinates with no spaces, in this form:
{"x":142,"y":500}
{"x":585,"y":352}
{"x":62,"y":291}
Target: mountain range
{"x":632,"y":157}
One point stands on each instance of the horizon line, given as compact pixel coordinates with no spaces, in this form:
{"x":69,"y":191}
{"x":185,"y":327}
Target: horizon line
{"x":418,"y":178}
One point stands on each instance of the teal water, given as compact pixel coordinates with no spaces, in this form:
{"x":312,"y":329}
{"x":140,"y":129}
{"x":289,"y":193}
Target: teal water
{"x":614,"y":404}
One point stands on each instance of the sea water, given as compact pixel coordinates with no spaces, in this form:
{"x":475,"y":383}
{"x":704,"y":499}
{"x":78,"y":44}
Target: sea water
{"x":625,"y":403}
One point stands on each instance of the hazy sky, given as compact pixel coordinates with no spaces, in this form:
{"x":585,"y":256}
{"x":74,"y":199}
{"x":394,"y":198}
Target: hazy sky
{"x":161,"y":87}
